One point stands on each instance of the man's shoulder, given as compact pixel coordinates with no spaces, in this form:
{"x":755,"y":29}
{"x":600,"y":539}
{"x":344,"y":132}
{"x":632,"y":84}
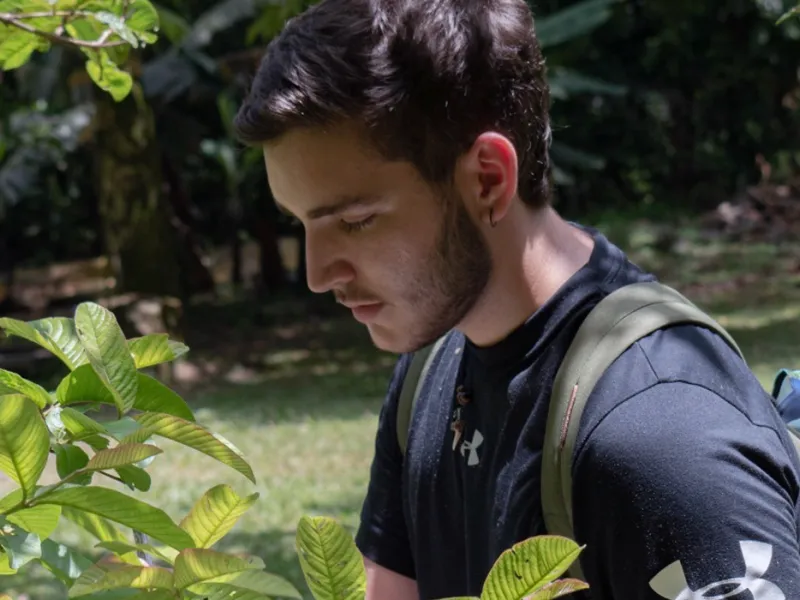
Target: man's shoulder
{"x":684,"y":368}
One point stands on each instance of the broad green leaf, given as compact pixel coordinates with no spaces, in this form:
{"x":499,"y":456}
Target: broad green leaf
{"x":69,"y":459}
{"x":121,"y":456}
{"x":573,"y":21}
{"x":84,"y":385}
{"x":21,"y":546}
{"x":123,"y":509}
{"x":118,"y":25}
{"x":41,"y":520}
{"x":79,"y":426}
{"x":528,"y":566}
{"x":11,"y":500}
{"x":172,"y":25}
{"x":194,"y":565}
{"x":16,"y":50}
{"x":108,"y":352}
{"x":5,"y":569}
{"x":55,"y":334}
{"x":108,"y":77}
{"x":126,"y":548}
{"x":250,"y":581}
{"x":556,"y":589}
{"x":11,"y":383}
{"x":144,"y":17}
{"x":24,"y":441}
{"x":135,"y":478}
{"x":123,"y":427}
{"x":331,"y":563}
{"x":192,"y":435}
{"x":98,"y":578}
{"x":100,"y":528}
{"x":155,"y":349}
{"x":215,"y":514}
{"x":64,"y":562}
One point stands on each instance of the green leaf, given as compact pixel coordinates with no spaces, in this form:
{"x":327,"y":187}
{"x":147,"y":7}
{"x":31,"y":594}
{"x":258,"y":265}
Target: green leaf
{"x":118,"y":25}
{"x":331,"y":563}
{"x":5,"y":568}
{"x":79,"y":426}
{"x":155,"y":349}
{"x":24,"y":442}
{"x":16,"y":50}
{"x":198,"y":564}
{"x":135,"y":477}
{"x":41,"y":520}
{"x":22,"y":547}
{"x":144,"y":17}
{"x":55,"y":425}
{"x":100,"y":528}
{"x":556,"y":589}
{"x":108,"y":352}
{"x":64,"y":562}
{"x":126,"y":548}
{"x":172,"y":25}
{"x":123,"y":427}
{"x":11,"y":383}
{"x":123,"y":509}
{"x":69,"y":459}
{"x":528,"y":566}
{"x":246,"y":583}
{"x":55,"y":334}
{"x":573,"y":21}
{"x":11,"y":500}
{"x":98,"y":578}
{"x":791,"y":13}
{"x":121,"y":456}
{"x":84,"y":385}
{"x":108,"y":77}
{"x":192,"y":435}
{"x":215,"y":514}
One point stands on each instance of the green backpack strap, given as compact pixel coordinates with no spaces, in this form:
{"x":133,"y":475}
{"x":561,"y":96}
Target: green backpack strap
{"x":412,"y":386}
{"x":617,"y":322}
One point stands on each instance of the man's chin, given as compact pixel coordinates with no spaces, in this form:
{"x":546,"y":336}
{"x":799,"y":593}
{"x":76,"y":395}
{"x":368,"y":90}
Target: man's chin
{"x":398,"y":341}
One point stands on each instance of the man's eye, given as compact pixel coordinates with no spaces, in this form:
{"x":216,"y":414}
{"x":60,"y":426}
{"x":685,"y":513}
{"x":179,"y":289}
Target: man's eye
{"x":352,"y":227}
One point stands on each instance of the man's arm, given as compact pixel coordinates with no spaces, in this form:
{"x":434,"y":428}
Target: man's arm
{"x":382,"y":535}
{"x":679,"y":494}
{"x":383,"y":584}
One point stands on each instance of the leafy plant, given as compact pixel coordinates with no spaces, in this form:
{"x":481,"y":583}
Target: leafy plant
{"x":792,"y":12}
{"x":104,"y":30}
{"x":100,"y":422}
{"x":333,"y":567}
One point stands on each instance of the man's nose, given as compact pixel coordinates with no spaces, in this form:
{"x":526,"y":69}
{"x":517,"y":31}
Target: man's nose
{"x":326,"y":269}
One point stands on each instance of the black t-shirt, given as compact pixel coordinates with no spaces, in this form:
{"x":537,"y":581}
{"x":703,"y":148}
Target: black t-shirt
{"x":685,"y":483}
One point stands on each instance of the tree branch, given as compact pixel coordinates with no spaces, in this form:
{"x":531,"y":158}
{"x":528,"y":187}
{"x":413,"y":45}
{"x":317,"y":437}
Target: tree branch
{"x":15,"y":20}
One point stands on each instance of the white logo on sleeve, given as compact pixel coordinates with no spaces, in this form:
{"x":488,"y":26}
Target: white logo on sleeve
{"x":671,"y":582}
{"x":472,"y":448}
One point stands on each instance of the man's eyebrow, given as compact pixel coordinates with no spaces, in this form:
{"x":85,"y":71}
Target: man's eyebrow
{"x":341,"y":204}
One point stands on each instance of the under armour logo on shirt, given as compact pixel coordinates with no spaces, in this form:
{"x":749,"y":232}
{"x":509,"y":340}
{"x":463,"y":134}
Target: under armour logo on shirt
{"x":671,"y":582}
{"x":472,"y":448}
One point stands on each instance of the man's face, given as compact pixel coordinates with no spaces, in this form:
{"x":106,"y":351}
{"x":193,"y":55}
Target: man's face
{"x":404,"y":256}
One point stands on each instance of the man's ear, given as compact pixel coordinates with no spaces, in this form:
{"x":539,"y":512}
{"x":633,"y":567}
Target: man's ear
{"x":488,"y":176}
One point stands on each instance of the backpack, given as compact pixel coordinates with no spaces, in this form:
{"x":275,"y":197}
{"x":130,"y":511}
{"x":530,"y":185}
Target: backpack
{"x":619,"y":320}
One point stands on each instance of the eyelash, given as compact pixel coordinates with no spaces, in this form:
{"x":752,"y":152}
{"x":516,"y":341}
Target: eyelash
{"x":358,"y":225}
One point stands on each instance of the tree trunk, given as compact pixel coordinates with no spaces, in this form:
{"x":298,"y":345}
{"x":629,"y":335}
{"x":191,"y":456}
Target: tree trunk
{"x":149,"y":253}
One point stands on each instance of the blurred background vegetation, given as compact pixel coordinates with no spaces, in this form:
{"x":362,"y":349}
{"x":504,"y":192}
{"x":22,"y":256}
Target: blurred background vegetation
{"x":676,"y":132}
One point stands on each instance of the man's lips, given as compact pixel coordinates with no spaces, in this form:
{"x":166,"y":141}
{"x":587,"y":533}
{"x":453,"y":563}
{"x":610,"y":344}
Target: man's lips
{"x":364,"y":312}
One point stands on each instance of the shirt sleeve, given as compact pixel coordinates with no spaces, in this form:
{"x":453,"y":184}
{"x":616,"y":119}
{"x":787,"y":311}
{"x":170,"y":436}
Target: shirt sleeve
{"x":677,"y":494}
{"x":382,"y":535}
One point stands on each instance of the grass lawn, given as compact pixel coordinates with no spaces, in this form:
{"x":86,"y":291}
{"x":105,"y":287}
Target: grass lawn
{"x":306,"y":420}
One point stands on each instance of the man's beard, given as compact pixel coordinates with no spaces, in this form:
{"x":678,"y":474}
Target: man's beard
{"x":454,"y":277}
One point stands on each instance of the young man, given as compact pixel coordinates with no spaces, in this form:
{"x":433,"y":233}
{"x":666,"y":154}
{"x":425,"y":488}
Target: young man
{"x":411,"y":138}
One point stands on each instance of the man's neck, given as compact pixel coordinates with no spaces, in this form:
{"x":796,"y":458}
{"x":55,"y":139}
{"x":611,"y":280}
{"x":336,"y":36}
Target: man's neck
{"x":533,"y":254}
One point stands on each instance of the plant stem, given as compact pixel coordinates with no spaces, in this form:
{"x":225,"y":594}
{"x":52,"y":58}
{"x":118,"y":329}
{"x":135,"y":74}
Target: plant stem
{"x":14,"y":21}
